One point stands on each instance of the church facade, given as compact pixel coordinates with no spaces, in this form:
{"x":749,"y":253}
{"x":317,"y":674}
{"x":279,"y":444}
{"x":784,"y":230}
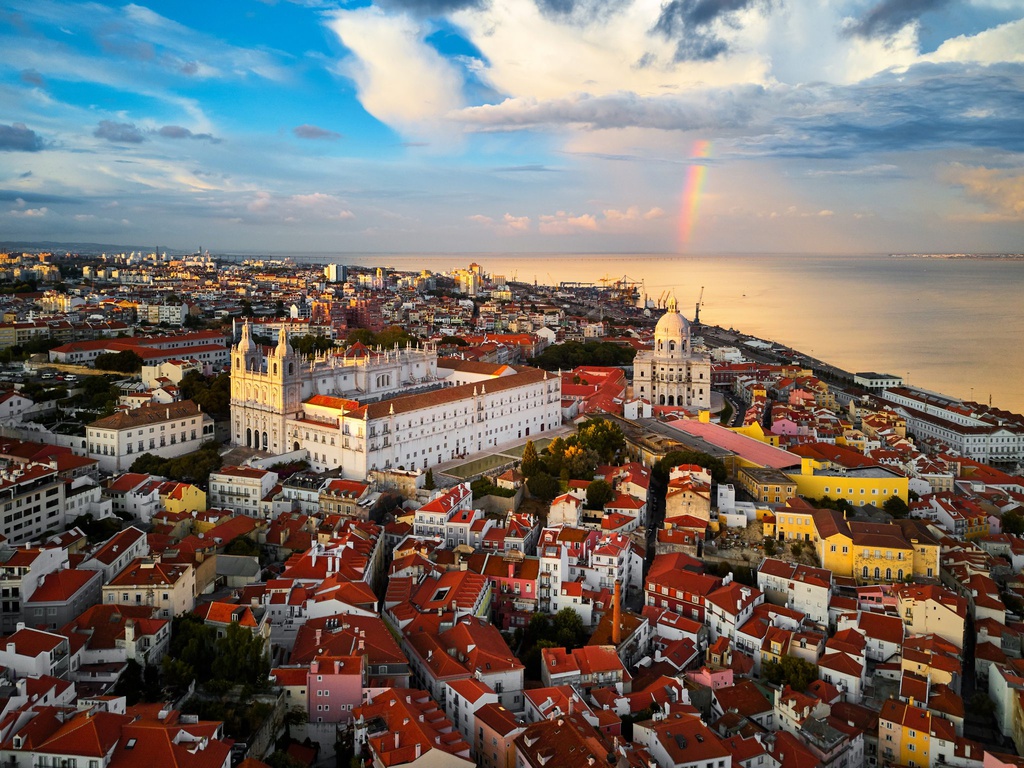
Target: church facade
{"x":671,"y":373}
{"x":379,"y":409}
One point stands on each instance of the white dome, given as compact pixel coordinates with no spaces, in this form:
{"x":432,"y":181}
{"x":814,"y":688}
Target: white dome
{"x":672,"y":326}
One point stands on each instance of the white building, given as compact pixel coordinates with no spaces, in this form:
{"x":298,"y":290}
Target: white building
{"x":163,"y":430}
{"x":672,"y":373}
{"x":241,"y":489}
{"x":33,"y":500}
{"x":333,"y":408}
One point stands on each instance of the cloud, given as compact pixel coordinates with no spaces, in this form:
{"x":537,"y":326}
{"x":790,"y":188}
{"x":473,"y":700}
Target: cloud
{"x":528,"y":168}
{"x":32,"y":77}
{"x":999,"y":44}
{"x":433,"y":7}
{"x":19,"y":138}
{"x":29,"y":213}
{"x":506,"y":225}
{"x":1001,"y":190}
{"x":400,"y":80}
{"x":692,"y":25}
{"x":307,"y":131}
{"x":119,"y":133}
{"x":562,"y":223}
{"x":177,"y":132}
{"x":890,"y":16}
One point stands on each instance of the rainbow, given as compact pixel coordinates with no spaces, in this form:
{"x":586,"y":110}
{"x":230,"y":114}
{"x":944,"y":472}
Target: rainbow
{"x":695,"y":177}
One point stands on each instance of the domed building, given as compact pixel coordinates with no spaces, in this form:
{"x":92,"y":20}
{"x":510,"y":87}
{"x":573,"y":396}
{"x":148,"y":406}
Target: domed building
{"x":671,"y":374}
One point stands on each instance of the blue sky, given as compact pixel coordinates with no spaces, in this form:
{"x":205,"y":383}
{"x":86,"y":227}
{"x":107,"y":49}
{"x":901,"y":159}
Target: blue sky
{"x":515,"y":125}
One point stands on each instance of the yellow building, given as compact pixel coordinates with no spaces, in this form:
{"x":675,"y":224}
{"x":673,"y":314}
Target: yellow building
{"x":875,"y":553}
{"x":858,"y":485}
{"x":766,"y":484}
{"x":795,"y":522}
{"x":181,"y":498}
{"x":756,"y":431}
{"x":911,"y":736}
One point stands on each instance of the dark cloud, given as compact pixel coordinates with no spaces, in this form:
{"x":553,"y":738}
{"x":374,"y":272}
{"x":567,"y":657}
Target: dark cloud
{"x":580,"y":10}
{"x":189,"y":67}
{"x":433,"y":7}
{"x":119,"y":133}
{"x":9,"y":195}
{"x":314,"y":132}
{"x":890,"y":16}
{"x":531,"y":168}
{"x":18,"y":138}
{"x":32,"y":77}
{"x":689,"y":22}
{"x":926,"y":107}
{"x":177,"y":132}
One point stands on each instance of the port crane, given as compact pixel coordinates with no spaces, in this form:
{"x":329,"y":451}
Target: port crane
{"x":696,"y":312}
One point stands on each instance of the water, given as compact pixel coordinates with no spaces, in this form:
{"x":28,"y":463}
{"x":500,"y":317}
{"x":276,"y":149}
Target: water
{"x":951,"y":325}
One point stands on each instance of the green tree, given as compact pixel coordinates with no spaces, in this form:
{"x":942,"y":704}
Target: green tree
{"x":572,"y":354}
{"x":602,"y":437}
{"x":531,"y":464}
{"x":554,"y":454}
{"x":569,"y":630}
{"x":714,"y":465}
{"x":212,"y":395}
{"x":896,"y":507}
{"x":126,"y":361}
{"x":279,"y":310}
{"x":1013,"y":522}
{"x":580,"y":462}
{"x":457,"y":341}
{"x":428,"y":481}
{"x":247,"y":310}
{"x":798,"y":674}
{"x":393,"y":336}
{"x":243,"y":546}
{"x":543,"y":486}
{"x":362,"y":336}
{"x":599,"y":493}
{"x":310,"y":345}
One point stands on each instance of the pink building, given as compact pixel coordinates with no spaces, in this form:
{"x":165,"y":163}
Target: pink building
{"x":334,"y":687}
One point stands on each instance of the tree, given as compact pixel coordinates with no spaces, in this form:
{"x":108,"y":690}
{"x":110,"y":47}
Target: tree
{"x":531,"y":464}
{"x":242,"y":546}
{"x":428,"y":481}
{"x":310,"y":345}
{"x":553,"y":455}
{"x":572,"y":354}
{"x":569,"y":630}
{"x":601,"y":436}
{"x":580,"y":462}
{"x":543,"y":486}
{"x":456,"y":341}
{"x":798,"y":674}
{"x":599,"y":493}
{"x":714,"y":465}
{"x":126,"y":361}
{"x":247,"y":310}
{"x":896,"y":507}
{"x":212,"y":395}
{"x":393,"y":336}
{"x":1013,"y":522}
{"x":362,"y":336}
{"x":279,"y":310}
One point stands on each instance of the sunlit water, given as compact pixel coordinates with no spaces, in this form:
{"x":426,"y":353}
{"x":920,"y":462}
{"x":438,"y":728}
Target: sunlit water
{"x":954,"y":326}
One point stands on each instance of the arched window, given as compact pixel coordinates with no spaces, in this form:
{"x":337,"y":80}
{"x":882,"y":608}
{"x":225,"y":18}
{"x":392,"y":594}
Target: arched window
{"x":671,"y":346}
{"x":248,"y":438}
{"x":671,"y":399}
{"x":899,"y":574}
{"x":888,"y":574}
{"x":878,"y":573}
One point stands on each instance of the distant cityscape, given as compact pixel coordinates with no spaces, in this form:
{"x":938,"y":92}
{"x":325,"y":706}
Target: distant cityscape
{"x":264,"y":511}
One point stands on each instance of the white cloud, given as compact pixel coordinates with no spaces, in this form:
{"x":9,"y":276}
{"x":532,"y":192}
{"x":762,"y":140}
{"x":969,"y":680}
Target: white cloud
{"x":562,"y":223}
{"x":401,"y":80}
{"x":999,"y":190}
{"x":29,"y":213}
{"x":506,"y":225}
{"x":1002,"y":43}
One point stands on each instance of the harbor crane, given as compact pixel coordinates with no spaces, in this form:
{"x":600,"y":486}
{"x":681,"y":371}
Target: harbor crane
{"x":696,"y":312}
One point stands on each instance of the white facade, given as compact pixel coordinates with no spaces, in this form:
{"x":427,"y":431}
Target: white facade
{"x":241,"y":489}
{"x":672,"y":374}
{"x":167,"y":431}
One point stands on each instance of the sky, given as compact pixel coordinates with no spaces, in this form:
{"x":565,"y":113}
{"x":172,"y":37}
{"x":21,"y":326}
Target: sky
{"x":689,"y":126}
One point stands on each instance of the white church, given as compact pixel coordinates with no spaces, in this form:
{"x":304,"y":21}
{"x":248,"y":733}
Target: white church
{"x":672,"y":373}
{"x":365,"y":409}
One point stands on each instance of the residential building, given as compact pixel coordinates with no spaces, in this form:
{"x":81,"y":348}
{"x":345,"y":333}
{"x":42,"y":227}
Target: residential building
{"x":167,"y":431}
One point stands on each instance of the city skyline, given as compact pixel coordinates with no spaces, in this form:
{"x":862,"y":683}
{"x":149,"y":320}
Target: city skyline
{"x":521,"y":126}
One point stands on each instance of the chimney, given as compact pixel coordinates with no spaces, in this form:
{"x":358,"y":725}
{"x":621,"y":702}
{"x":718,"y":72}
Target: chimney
{"x":511,"y":569}
{"x":316,"y":637}
{"x":617,"y":614}
{"x":396,"y":739}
